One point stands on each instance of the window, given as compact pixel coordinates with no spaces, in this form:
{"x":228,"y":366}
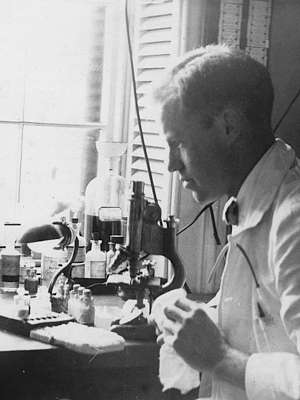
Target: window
{"x":65,"y":73}
{"x":65,"y":63}
{"x":50,"y":95}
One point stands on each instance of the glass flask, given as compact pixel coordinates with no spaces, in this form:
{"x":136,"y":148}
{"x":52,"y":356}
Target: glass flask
{"x":106,"y":195}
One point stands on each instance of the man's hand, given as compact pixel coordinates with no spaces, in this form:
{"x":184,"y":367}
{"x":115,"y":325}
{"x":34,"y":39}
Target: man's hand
{"x":190,"y":328}
{"x":195,"y":336}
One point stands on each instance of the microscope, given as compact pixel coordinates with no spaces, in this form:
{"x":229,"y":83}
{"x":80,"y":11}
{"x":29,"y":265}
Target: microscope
{"x":146,"y":236}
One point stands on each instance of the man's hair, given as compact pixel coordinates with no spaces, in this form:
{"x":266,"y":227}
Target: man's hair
{"x":210,"y":78}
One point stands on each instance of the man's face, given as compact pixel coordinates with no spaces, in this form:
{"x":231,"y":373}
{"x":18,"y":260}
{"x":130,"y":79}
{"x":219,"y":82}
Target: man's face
{"x":200,"y":155}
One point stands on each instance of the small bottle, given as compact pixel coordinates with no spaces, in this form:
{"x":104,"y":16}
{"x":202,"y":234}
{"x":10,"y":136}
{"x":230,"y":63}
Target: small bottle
{"x":75,"y":301}
{"x":76,"y":286}
{"x":31,"y":282}
{"x":110,"y":254}
{"x":80,"y":292}
{"x":27,"y":299}
{"x":71,"y":303}
{"x":26,"y":261}
{"x":86,"y":313}
{"x":95,"y":263}
{"x":66,"y":297}
{"x":22,"y":306}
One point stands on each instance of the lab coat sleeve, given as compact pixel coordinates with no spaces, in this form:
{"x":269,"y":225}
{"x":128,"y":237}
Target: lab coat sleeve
{"x":277,"y":375}
{"x":273,"y":376}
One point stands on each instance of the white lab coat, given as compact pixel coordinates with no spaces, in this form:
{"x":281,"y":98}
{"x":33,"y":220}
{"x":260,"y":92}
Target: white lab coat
{"x":269,"y":232}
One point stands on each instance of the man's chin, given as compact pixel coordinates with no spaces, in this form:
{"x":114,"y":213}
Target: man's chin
{"x":201,"y":198}
{"x":197,"y":197}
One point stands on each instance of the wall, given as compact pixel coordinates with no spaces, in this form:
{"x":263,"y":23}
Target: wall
{"x":284,"y":65}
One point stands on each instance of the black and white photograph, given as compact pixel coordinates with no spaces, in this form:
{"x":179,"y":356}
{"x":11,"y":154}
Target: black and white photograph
{"x":150,"y":200}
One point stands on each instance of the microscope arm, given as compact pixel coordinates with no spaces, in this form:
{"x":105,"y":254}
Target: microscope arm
{"x":157,"y":240}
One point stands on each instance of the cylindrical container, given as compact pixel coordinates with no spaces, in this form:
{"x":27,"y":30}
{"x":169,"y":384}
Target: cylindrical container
{"x":105,"y":196}
{"x":110,"y":254}
{"x":31,"y":282}
{"x":75,"y":304}
{"x":10,"y":258}
{"x":71,"y":303}
{"x":10,"y":269}
{"x":95,"y":263}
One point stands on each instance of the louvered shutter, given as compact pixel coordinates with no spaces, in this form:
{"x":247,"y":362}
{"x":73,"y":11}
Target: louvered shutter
{"x":156,"y":42}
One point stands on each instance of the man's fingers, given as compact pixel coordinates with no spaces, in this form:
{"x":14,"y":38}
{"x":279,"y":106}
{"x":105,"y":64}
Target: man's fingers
{"x":174,"y":314}
{"x":160,"y":339}
{"x":169,"y":327}
{"x":184,"y":304}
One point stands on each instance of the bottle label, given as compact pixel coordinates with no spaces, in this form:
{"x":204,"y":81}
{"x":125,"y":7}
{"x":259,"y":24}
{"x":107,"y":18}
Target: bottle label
{"x":78,"y":270}
{"x":49,"y":266}
{"x":98,"y":269}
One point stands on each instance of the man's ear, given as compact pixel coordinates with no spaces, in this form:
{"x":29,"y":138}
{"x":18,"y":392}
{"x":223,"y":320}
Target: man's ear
{"x":231,"y":121}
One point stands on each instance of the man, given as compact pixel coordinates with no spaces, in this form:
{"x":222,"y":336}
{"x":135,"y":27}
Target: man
{"x":216,"y":106}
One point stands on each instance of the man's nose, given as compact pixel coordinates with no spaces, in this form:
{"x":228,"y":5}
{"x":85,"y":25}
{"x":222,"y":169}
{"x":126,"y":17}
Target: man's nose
{"x":175,"y":163}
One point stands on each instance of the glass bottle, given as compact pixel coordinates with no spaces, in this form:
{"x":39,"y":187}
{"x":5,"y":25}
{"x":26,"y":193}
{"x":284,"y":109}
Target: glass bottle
{"x":86,"y":314}
{"x":26,"y":261}
{"x":21,"y":305}
{"x":67,"y":287}
{"x":31,"y":281}
{"x":110,"y":254}
{"x":95,"y":263}
{"x":75,"y":305}
{"x":10,"y":259}
{"x":71,"y":302}
{"x":105,"y":196}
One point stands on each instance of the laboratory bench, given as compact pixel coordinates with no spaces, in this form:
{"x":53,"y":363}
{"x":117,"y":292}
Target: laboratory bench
{"x":32,"y":370}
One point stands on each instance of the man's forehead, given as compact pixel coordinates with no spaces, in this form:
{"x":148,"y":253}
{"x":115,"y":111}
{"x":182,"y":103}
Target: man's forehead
{"x":172,"y":122}
{"x":170,"y":112}
{"x":172,"y":135}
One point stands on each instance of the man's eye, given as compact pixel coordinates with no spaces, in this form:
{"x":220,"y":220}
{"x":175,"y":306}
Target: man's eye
{"x":175,"y":145}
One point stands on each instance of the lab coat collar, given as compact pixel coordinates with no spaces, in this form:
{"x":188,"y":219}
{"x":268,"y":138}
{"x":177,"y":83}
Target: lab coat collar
{"x":258,"y":190}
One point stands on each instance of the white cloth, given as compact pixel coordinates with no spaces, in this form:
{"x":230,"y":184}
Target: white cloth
{"x":174,"y":372}
{"x":269,"y":232}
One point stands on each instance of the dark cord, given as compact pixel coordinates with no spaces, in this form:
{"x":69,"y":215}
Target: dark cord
{"x":260,"y":309}
{"x":286,"y":111}
{"x":213,"y":221}
{"x":249,"y":263}
{"x":194,"y":220}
